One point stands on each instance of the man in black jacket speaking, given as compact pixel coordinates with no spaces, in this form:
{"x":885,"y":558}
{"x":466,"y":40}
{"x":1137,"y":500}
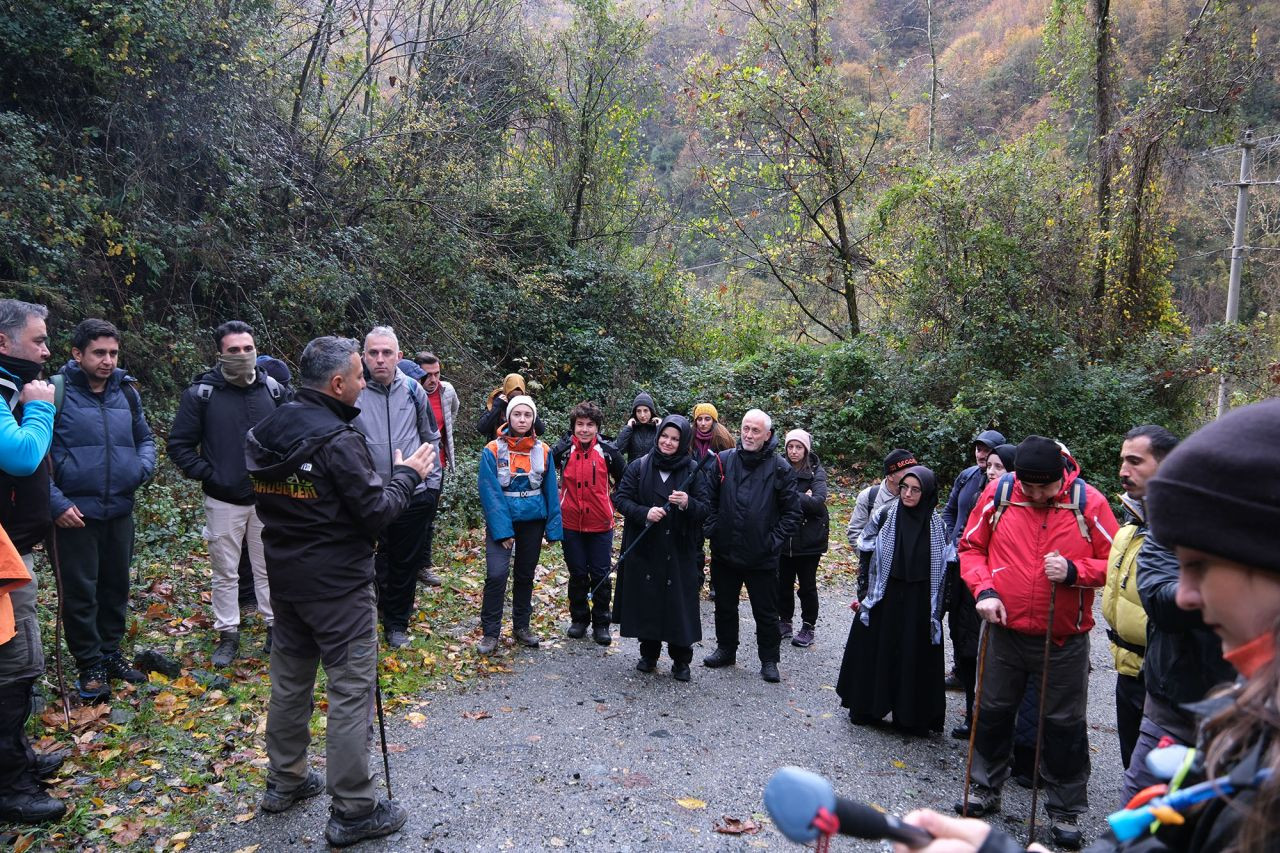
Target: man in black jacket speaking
{"x":322,"y":506}
{"x":754,"y":509}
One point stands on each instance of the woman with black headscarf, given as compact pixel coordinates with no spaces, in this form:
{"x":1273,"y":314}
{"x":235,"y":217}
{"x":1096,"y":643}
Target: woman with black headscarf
{"x":662,"y":575}
{"x":893,"y":659}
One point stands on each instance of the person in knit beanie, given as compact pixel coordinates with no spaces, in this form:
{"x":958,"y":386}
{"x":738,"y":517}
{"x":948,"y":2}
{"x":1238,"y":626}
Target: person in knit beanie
{"x":871,"y":498}
{"x":803,"y":551}
{"x":709,"y":435}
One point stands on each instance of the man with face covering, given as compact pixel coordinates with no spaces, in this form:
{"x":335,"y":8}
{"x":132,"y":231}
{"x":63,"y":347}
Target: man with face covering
{"x":207,"y":443}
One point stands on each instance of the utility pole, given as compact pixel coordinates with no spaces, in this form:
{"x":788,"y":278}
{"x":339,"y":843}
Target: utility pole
{"x":1237,"y":255}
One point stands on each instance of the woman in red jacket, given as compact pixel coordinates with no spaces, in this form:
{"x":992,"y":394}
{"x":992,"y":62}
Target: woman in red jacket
{"x":590,"y":472}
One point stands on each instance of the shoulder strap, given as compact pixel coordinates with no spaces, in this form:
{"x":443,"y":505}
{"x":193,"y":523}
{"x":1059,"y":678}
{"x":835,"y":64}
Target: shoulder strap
{"x":1079,"y":494}
{"x":870,"y":494}
{"x":59,"y":382}
{"x":277,"y":393}
{"x":135,"y":399}
{"x":1004,"y":489}
{"x":203,"y":392}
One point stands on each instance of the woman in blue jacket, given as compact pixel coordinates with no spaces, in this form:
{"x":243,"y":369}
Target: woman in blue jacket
{"x":521,"y":505}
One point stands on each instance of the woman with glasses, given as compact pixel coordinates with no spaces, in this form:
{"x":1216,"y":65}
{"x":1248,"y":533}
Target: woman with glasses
{"x":893,"y":660}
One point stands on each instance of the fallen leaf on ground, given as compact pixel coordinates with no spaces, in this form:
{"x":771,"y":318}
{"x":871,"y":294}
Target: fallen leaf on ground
{"x":476,"y":715}
{"x":733,"y":826}
{"x":901,"y":765}
{"x":247,"y":816}
{"x":691,"y":803}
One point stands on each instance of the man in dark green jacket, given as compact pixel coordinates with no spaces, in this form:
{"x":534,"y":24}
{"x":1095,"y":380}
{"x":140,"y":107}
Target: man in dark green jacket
{"x":322,"y":505}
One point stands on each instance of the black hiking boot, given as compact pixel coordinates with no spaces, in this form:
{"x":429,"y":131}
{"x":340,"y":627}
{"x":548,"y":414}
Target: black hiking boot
{"x":275,"y":802}
{"x":118,"y":669}
{"x":721,"y":657}
{"x":385,"y":819}
{"x":227,"y":649}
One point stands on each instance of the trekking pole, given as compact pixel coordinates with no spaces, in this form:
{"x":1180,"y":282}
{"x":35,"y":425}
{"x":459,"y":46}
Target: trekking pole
{"x":973,"y":724}
{"x":57,"y":620}
{"x":1044,"y":691}
{"x":697,"y":469}
{"x":382,"y":731}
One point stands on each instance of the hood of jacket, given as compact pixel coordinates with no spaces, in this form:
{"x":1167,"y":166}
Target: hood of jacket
{"x":277,"y":446}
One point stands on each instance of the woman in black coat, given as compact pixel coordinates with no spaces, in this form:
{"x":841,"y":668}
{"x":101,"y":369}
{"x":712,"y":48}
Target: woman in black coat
{"x":802,"y":552}
{"x":664,"y":572}
{"x":637,"y":437}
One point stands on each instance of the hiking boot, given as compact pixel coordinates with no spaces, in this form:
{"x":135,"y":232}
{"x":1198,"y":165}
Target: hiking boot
{"x":487,"y":645}
{"x":1065,"y":833}
{"x":721,"y":657}
{"x":525,"y":637}
{"x":266,"y":644}
{"x":961,"y":732}
{"x":397,"y":639}
{"x":646,"y":665}
{"x":784,"y":628}
{"x":577,"y":630}
{"x":711,"y":593}
{"x":93,"y":684}
{"x":385,"y":819}
{"x":47,"y":764}
{"x":275,"y":801}
{"x":769,"y":672}
{"x":951,"y":682}
{"x":426,"y":577}
{"x":118,"y":669}
{"x":804,"y":639}
{"x":680,"y":671}
{"x":983,"y":801}
{"x":601,"y":635}
{"x":227,"y":649}
{"x":30,"y":808}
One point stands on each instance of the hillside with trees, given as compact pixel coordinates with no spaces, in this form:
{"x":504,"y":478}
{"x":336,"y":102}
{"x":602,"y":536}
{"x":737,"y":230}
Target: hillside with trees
{"x":892,"y":220}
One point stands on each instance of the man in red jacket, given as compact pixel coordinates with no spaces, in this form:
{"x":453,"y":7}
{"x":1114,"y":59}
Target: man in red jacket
{"x":1040,"y":533}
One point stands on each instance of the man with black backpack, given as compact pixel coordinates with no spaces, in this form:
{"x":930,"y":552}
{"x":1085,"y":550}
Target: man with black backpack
{"x":103,"y":451}
{"x":207,"y":443}
{"x":1032,"y":554}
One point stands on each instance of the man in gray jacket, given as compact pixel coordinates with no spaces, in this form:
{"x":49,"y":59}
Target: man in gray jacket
{"x":872,"y":498}
{"x":395,"y":415}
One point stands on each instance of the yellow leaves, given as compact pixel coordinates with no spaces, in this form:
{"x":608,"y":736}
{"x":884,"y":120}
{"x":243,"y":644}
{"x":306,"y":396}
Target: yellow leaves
{"x":416,"y":719}
{"x":901,"y":765}
{"x":691,"y":803}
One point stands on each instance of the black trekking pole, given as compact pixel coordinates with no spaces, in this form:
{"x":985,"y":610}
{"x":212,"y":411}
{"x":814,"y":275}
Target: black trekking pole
{"x":1044,"y":690}
{"x":684,"y":487}
{"x":382,"y":732}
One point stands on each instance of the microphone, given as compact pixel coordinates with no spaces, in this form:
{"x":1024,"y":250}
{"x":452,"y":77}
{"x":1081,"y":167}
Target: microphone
{"x":795,"y":797}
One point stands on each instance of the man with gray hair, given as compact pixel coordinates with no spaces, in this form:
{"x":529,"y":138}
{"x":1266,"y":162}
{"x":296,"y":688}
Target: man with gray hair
{"x":26,"y":430}
{"x":395,"y":416}
{"x":322,"y":504}
{"x":755,"y":508}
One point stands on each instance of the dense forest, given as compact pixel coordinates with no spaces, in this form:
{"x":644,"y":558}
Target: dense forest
{"x":891,"y":221}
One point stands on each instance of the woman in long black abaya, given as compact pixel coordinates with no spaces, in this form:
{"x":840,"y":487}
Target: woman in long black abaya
{"x":893,"y":659}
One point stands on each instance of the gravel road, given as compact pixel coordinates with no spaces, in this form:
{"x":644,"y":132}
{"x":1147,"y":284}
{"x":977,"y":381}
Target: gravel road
{"x":575,"y":749}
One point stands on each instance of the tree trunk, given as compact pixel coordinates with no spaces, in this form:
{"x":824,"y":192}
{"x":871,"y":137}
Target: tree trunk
{"x":933,"y":73}
{"x":1101,"y":132}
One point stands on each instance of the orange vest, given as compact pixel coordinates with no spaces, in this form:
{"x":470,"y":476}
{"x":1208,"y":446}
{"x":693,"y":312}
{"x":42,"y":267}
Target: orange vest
{"x":13,"y":574}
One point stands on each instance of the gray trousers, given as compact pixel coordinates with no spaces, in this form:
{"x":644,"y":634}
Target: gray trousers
{"x":1012,"y":659}
{"x":342,"y":634}
{"x":1160,"y":720}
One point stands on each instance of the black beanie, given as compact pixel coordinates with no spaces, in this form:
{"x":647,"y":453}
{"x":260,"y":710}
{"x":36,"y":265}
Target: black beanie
{"x":898,"y":460}
{"x":1219,"y":491}
{"x":1038,"y":460}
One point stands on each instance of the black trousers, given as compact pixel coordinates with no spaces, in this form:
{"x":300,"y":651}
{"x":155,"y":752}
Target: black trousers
{"x":588,"y":556}
{"x":95,"y":586}
{"x":762,"y":590}
{"x":16,"y":754}
{"x":1131,"y":693}
{"x":498,"y":567}
{"x":400,"y":556}
{"x":652,"y":648}
{"x":802,"y":568}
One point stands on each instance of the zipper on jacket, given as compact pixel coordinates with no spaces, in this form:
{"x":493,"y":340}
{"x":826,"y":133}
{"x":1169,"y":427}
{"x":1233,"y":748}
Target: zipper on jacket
{"x":106,"y":430}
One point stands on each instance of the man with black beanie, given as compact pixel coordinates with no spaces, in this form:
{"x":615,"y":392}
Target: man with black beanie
{"x":1040,"y":534}
{"x":871,"y":498}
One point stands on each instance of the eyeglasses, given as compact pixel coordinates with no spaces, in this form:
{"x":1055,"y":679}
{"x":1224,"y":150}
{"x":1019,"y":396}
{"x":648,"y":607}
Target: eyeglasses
{"x":910,"y":490}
